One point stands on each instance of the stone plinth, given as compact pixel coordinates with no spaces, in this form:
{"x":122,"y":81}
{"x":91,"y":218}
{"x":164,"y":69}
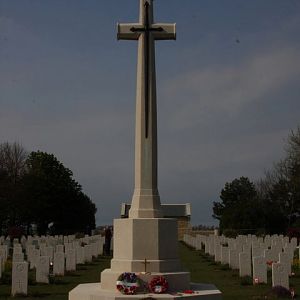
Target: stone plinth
{"x":93,"y":291}
{"x":178,"y":281}
{"x":152,"y":239}
{"x":138,"y":239}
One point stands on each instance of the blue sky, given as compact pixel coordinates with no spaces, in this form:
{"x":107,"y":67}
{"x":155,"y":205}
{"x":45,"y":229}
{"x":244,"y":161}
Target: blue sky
{"x":228,"y":92}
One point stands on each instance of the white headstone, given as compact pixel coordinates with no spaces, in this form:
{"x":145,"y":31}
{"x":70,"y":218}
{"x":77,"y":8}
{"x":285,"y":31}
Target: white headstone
{"x":49,"y":252}
{"x":4,"y":251}
{"x":268,"y":255}
{"x":29,"y":250}
{"x":289,"y":250}
{"x":19,"y":278}
{"x":245,"y":264}
{"x":59,"y":264}
{"x":42,"y":269}
{"x":88,"y":253}
{"x":35,"y":254}
{"x":43,"y":249}
{"x":17,"y":249}
{"x":257,"y":251}
{"x":233,"y":259}
{"x":18,"y":257}
{"x":79,"y":255}
{"x":59,"y":248}
{"x":71,"y":260}
{"x":284,"y":259}
{"x":259,"y":269}
{"x":294,"y":242}
{"x":217,"y":252}
{"x":280,"y":275}
{"x":224,"y":255}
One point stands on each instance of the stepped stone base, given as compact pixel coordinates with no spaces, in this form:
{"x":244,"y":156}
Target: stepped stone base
{"x":178,"y":281}
{"x":93,"y":291}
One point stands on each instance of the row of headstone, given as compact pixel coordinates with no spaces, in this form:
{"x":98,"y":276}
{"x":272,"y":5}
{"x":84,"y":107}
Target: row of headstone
{"x":251,"y":255}
{"x":62,"y":253}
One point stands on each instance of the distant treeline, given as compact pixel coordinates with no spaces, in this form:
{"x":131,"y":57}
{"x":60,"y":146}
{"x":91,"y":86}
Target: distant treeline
{"x":271,"y":205}
{"x":203,"y":227}
{"x":37,"y":191}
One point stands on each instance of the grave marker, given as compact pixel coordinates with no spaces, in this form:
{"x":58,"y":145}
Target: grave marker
{"x":259,"y":269}
{"x":42,"y":269}
{"x":279,"y":275}
{"x":19,"y":283}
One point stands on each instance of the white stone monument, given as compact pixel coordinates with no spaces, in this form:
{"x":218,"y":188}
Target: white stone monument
{"x":259,"y":270}
{"x":42,"y":269}
{"x":145,"y":243}
{"x":79,"y":255}
{"x":280,"y":275}
{"x":18,"y":257}
{"x":71,"y":260}
{"x":19,"y":283}
{"x":233,"y":259}
{"x":224,"y":255}
{"x":59,"y":264}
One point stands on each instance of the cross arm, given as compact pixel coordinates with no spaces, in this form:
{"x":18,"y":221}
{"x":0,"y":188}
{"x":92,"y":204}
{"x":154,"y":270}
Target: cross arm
{"x":167,"y":31}
{"x":125,"y":32}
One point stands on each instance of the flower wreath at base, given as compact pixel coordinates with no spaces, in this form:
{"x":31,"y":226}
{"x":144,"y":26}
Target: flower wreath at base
{"x":127,"y":283}
{"x":158,"y":285}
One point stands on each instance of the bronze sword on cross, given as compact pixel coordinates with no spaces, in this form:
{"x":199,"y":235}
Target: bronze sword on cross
{"x":147,"y":32}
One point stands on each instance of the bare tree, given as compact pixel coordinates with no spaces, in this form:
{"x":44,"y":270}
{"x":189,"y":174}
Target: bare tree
{"x":13,"y":160}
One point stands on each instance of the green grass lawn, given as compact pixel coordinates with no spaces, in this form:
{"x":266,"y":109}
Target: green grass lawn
{"x":59,"y":287}
{"x":202,"y":267}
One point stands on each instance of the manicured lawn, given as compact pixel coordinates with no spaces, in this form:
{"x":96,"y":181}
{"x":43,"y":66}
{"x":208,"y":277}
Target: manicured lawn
{"x":202,"y":267}
{"x":59,"y":289}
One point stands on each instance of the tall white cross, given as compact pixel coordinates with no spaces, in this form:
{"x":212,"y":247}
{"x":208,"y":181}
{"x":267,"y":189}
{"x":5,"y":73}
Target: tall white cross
{"x":146,"y":201}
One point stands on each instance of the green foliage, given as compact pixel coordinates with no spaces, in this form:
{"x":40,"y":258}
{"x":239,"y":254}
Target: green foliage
{"x":240,"y":210}
{"x":39,"y":189}
{"x":53,"y":196}
{"x":230,"y":233}
{"x":272,"y":206}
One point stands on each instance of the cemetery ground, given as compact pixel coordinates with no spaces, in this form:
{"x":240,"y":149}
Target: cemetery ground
{"x":59,"y":286}
{"x":202,"y":267}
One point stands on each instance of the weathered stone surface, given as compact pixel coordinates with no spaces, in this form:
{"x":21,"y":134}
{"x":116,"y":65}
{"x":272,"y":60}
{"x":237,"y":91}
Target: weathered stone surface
{"x":259,"y":269}
{"x":245,"y":264}
{"x":284,"y":259}
{"x":18,"y":257}
{"x":59,"y":264}
{"x":233,"y":259}
{"x":19,"y":283}
{"x":71,"y":260}
{"x":224,"y":255}
{"x":280,"y":275}
{"x":42,"y":269}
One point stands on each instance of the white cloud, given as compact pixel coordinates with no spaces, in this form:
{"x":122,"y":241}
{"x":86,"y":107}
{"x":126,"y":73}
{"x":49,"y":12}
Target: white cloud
{"x":199,"y":93}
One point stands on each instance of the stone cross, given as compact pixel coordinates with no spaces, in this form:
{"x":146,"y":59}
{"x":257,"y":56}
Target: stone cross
{"x":146,"y":201}
{"x":145,"y":262}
